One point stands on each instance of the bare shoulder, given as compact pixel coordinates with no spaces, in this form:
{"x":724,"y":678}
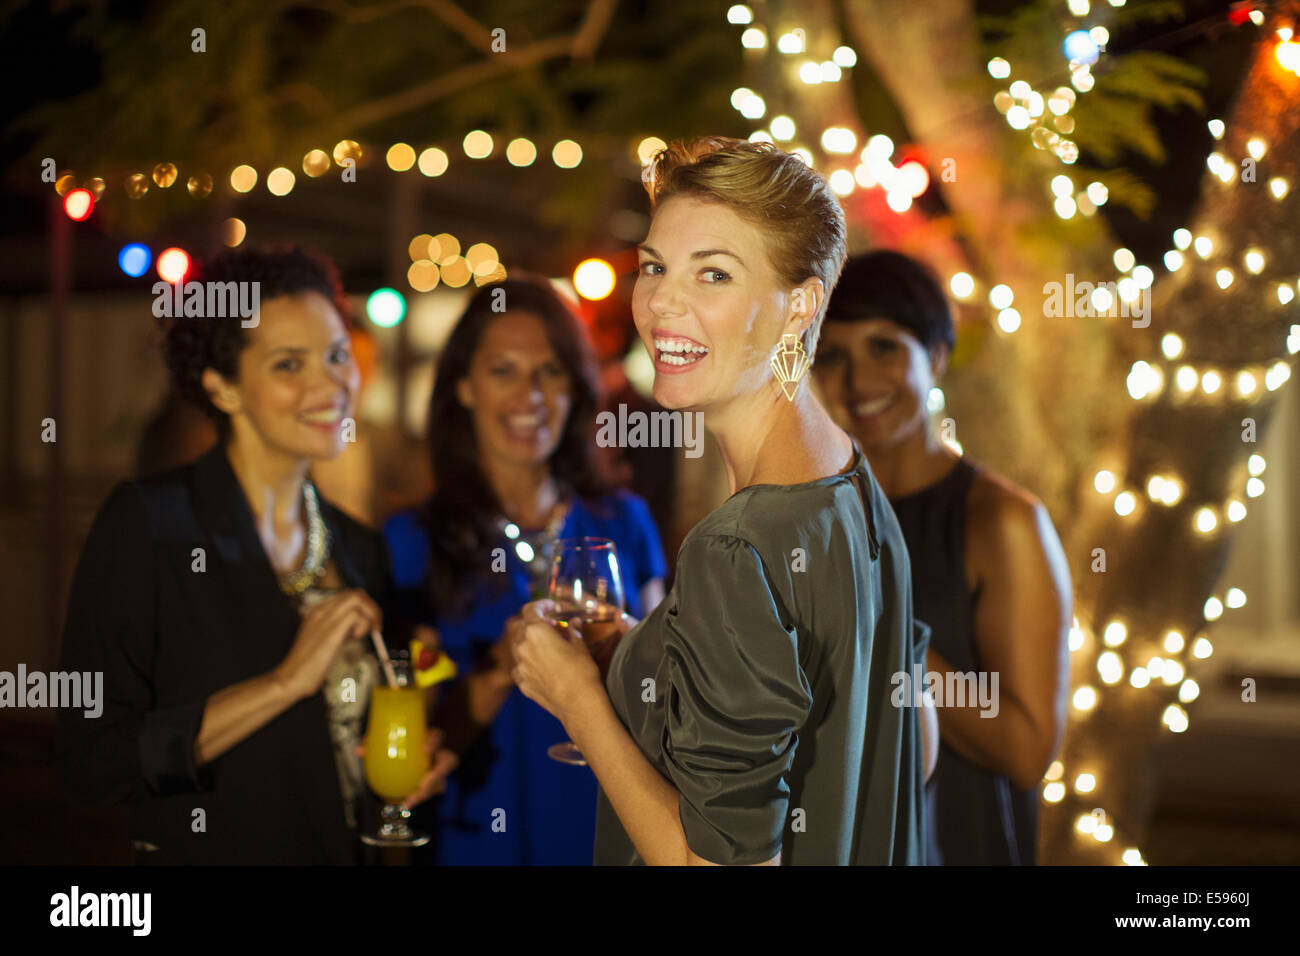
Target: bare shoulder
{"x":1002,"y":518}
{"x":996,"y":500}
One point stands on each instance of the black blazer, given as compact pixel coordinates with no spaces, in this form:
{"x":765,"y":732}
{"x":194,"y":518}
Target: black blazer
{"x":166,"y":636}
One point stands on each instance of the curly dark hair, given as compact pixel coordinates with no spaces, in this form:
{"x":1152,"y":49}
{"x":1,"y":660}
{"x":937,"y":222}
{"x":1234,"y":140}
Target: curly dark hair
{"x":192,"y":345}
{"x":460,"y":516}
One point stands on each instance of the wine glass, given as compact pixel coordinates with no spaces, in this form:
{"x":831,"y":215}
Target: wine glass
{"x":587,"y":592}
{"x":395,"y":758}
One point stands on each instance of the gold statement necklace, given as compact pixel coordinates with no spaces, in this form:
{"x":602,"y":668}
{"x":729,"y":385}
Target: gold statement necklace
{"x":318,"y":545}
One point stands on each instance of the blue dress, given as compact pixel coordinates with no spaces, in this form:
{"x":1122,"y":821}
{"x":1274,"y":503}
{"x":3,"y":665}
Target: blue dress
{"x":509,"y":803}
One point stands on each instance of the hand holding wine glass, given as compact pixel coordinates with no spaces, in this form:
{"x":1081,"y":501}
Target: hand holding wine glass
{"x":602,"y":651}
{"x":587,"y":598}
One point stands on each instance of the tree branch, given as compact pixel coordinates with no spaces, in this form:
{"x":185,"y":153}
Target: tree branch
{"x":581,"y":45}
{"x":446,"y":11}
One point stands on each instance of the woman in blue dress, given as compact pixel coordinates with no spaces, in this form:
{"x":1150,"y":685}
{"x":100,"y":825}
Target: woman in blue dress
{"x":510,"y":430}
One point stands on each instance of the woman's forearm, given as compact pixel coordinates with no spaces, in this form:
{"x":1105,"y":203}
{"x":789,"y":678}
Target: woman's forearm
{"x":645,"y":802}
{"x":238,"y":711}
{"x":1005,"y":743}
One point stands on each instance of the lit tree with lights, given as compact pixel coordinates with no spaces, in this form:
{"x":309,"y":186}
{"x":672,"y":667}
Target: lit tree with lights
{"x":1136,"y":433}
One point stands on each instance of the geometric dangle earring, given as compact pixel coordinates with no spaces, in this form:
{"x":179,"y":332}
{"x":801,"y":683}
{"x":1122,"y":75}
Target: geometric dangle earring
{"x":789,"y":364}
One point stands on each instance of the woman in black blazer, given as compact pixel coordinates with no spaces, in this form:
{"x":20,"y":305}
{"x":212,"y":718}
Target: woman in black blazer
{"x":226,"y":604}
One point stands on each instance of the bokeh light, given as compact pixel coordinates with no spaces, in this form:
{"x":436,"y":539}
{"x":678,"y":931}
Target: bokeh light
{"x":456,"y":272}
{"x":567,"y":154}
{"x":79,"y":204}
{"x":173,"y":265}
{"x":593,"y":279}
{"x":279,"y":181}
{"x":483,"y":258}
{"x":521,"y":152}
{"x":164,"y":174}
{"x":243,"y":178}
{"x":134,"y":259}
{"x":401,"y":157}
{"x":346,"y":149}
{"x":477,"y":144}
{"x":386,"y":307}
{"x":316,"y":163}
{"x":422,"y":275}
{"x":233,"y":231}
{"x":433,"y":162}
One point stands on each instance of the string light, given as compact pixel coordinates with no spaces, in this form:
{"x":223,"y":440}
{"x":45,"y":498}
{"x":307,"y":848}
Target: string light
{"x":401,"y":156}
{"x":434,"y":162}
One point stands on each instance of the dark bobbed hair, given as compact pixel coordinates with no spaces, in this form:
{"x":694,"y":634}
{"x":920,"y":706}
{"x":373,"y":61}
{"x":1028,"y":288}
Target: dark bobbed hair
{"x":889,"y":285}
{"x":461,"y":514}
{"x":193,"y":344}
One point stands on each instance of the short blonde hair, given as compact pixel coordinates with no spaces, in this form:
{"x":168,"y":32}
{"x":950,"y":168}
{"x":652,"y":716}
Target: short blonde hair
{"x":779,"y":193}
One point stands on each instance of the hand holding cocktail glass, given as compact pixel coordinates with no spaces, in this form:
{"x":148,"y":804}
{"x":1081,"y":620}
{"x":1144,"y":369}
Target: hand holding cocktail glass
{"x":404,"y":761}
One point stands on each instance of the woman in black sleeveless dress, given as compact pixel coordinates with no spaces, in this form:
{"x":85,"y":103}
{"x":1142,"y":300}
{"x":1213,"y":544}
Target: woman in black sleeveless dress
{"x":988,"y":572}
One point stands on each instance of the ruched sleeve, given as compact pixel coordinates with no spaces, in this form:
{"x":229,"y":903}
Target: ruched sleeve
{"x":134,"y":749}
{"x":735,"y":702}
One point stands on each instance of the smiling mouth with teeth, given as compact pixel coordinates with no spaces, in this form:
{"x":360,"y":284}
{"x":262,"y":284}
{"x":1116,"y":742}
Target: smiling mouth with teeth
{"x":329,"y":416}
{"x":525,"y":421}
{"x":678,"y":352}
{"x":875,"y":406}
{"x":525,"y":427}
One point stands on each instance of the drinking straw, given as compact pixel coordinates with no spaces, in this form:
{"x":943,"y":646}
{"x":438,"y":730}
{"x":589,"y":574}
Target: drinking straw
{"x":385,"y":661}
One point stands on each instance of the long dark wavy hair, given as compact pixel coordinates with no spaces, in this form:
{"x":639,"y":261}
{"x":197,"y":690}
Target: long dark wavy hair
{"x":461,"y":515}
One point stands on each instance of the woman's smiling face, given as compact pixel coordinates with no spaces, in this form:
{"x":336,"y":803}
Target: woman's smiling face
{"x":708,"y":304}
{"x":875,"y":377}
{"x":298,"y":381}
{"x":517,"y":390}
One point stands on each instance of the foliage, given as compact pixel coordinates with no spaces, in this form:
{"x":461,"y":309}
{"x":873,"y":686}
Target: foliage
{"x":1115,"y":117}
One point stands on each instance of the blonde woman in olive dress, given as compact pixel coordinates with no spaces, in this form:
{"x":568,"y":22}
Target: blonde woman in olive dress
{"x":747,"y":719}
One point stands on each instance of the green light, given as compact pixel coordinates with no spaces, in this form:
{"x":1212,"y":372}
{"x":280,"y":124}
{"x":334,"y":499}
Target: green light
{"x":386,"y":307}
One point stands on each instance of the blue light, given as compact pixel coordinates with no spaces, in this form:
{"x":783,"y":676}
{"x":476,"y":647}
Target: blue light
{"x":134,"y":259}
{"x":1081,"y":48}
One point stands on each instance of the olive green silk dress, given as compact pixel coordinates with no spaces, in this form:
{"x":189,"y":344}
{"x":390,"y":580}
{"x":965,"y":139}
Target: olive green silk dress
{"x":761,"y":687}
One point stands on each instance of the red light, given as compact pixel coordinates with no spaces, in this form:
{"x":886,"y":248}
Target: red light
{"x":173,"y":264}
{"x":78,"y":204}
